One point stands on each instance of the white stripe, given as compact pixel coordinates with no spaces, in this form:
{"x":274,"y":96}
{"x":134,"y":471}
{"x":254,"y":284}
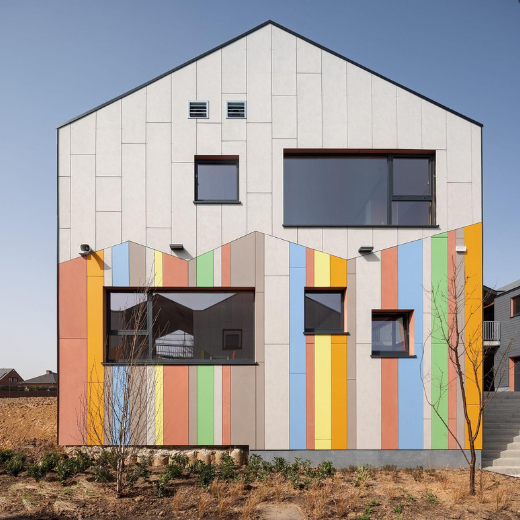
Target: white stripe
{"x":217,"y":405}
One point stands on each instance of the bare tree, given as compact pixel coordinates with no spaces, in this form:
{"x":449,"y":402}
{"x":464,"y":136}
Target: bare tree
{"x":117,"y":409}
{"x":460,"y":328}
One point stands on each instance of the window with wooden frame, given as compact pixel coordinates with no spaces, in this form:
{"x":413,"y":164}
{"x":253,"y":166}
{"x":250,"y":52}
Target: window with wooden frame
{"x":515,"y":306}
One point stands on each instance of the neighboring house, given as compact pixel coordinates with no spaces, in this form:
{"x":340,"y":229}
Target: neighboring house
{"x":9,"y":376}
{"x":287,"y":206}
{"x":48,"y":380}
{"x":502,"y":331}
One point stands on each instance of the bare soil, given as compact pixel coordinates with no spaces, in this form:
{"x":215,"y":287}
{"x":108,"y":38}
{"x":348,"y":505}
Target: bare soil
{"x":28,"y":425}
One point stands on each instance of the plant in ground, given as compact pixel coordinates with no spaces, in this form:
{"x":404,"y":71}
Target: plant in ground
{"x":140,"y":471}
{"x":5,"y":455}
{"x":36,"y":471}
{"x":366,"y":514}
{"x":207,"y":474}
{"x":373,"y":503}
{"x":362,"y":475}
{"x":15,"y":464}
{"x":84,"y":460}
{"x":227,"y":468}
{"x":409,"y":497}
{"x":280,"y":464}
{"x":50,"y":460}
{"x":67,"y":468}
{"x":431,"y":498}
{"x":102,"y":474}
{"x":398,"y":509}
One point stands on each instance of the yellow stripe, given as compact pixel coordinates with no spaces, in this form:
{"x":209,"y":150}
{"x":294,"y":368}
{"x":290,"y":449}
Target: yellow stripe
{"x":473,"y":321}
{"x":158,"y":269}
{"x":95,"y":371}
{"x":322,"y":392}
{"x":159,"y":405}
{"x":321,"y":269}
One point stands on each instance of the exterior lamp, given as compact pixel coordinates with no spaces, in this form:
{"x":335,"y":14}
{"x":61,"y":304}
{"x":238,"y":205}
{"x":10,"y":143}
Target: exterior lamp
{"x":365,"y":249}
{"x":176,"y":247}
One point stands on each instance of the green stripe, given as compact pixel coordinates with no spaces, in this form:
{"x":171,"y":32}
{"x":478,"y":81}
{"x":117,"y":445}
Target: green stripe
{"x":205,"y":270}
{"x":439,"y":370}
{"x":205,"y":404}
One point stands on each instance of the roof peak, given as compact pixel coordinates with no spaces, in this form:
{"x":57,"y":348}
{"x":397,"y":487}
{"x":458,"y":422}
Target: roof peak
{"x":243,"y":35}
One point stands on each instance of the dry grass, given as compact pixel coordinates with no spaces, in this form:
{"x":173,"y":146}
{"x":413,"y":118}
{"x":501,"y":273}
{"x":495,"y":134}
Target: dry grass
{"x":224,"y":506}
{"x":502,"y":497}
{"x":236,"y":490}
{"x":443,"y":480}
{"x":249,"y":506}
{"x":204,"y":504}
{"x":178,"y":500}
{"x":458,"y":494}
{"x":342,"y":505}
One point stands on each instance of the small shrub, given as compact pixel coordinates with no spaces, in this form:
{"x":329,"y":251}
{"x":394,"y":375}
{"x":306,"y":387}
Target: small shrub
{"x":161,"y":483}
{"x":84,"y":460}
{"x":50,"y":460}
{"x":196,"y":467}
{"x":181,"y":460}
{"x":227,"y":468}
{"x":326,"y":469}
{"x":5,"y":455}
{"x":366,"y":514}
{"x":416,"y":473}
{"x":36,"y":471}
{"x":254,"y":464}
{"x":108,"y":458}
{"x":362,"y":475}
{"x":431,"y":498}
{"x":398,"y":509}
{"x":280,"y":464}
{"x":207,"y":474}
{"x":140,"y":471}
{"x":15,"y":464}
{"x":409,"y":497}
{"x":102,"y":474}
{"x":67,"y":468}
{"x":174,"y":470}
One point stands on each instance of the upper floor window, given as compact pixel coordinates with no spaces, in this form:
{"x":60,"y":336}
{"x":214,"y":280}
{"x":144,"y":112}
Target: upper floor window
{"x":13,"y":380}
{"x":215,"y":326}
{"x":216,"y":181}
{"x":324,"y":311}
{"x":515,"y":306}
{"x":355,"y":190}
{"x":390,"y":333}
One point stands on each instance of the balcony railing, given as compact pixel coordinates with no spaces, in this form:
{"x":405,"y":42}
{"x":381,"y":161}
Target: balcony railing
{"x":491,"y":331}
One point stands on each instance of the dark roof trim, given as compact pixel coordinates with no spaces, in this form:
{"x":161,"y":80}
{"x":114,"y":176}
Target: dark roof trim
{"x":246,"y":34}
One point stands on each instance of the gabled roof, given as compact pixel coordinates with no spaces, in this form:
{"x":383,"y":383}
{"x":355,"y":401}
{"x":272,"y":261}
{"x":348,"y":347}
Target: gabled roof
{"x":246,"y":34}
{"x":45,"y":379}
{"x":509,"y":287}
{"x":5,"y":371}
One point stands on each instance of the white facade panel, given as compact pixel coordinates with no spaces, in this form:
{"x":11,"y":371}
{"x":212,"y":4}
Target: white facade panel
{"x":384,"y":114}
{"x":276,"y":257}
{"x":108,"y":228}
{"x":184,"y":130}
{"x":108,"y":141}
{"x":308,"y":57}
{"x":368,"y":295}
{"x":284,"y":63}
{"x":310,"y":133}
{"x":83,"y":202}
{"x":259,"y":76}
{"x":334,"y":91}
{"x":159,"y":239}
{"x":159,"y":101}
{"x":234,"y":68}
{"x":209,"y":138}
{"x":284,"y":117}
{"x":383,"y":238}
{"x":108,"y":193}
{"x":158,"y":175}
{"x":311,"y":237}
{"x":459,"y":149}
{"x":359,"y":106}
{"x":209,"y":227}
{"x":441,"y":191}
{"x":209,"y":84}
{"x":358,"y":237}
{"x":276,"y":310}
{"x":259,"y":158}
{"x":217,"y":267}
{"x":459,"y":209}
{"x":184,"y":212}
{"x":259,"y":217}
{"x":476,"y":173}
{"x":335,"y":242}
{"x":64,"y":245}
{"x":133,"y":193}
{"x":433,"y":124}
{"x":83,"y":135}
{"x":133,"y":117}
{"x":64,"y":151}
{"x":409,"y":117}
{"x":405,"y":235}
{"x":64,"y":202}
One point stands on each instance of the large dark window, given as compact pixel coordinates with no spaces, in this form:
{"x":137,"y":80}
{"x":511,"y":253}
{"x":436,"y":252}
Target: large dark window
{"x":324,"y":311}
{"x":216,"y":181}
{"x":214,"y":326}
{"x":343,"y":190}
{"x":515,"y":306}
{"x":390,"y":334}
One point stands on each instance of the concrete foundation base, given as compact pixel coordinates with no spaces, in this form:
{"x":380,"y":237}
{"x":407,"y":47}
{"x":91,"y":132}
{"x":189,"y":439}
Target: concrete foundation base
{"x":428,"y":459}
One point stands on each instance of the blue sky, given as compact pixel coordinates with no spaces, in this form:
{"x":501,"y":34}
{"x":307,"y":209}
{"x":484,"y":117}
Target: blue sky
{"x":61,"y":58}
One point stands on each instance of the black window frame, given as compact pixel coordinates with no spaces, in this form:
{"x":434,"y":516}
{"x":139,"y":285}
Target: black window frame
{"x":391,"y":197}
{"x":150,"y":360}
{"x":326,"y":332}
{"x":393,"y":353}
{"x":513,"y":299}
{"x":215,"y":161}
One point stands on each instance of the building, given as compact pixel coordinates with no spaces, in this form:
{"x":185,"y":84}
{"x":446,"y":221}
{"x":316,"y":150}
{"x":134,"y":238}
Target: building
{"x":286,"y":206}
{"x":9,"y":376}
{"x":47,"y":380}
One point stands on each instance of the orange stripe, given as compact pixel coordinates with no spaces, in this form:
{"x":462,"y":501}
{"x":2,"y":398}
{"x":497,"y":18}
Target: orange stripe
{"x":310,"y":268}
{"x":339,"y":392}
{"x":338,"y":272}
{"x":226,"y":404}
{"x":175,"y":271}
{"x":452,"y":373}
{"x":389,"y":367}
{"x":310,"y":391}
{"x":176,"y":424}
{"x":226,"y":265}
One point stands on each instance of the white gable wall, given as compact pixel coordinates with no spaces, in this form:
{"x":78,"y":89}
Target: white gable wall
{"x":126,"y":171}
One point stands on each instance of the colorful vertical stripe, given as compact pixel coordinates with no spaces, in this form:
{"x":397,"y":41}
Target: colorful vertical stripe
{"x":159,"y":405}
{"x":205,"y":270}
{"x":339,"y":392}
{"x":323,"y":392}
{"x":205,"y":388}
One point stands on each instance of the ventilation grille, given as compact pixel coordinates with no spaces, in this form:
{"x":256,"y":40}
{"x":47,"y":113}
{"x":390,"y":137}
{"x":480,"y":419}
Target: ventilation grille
{"x":198,"y":109}
{"x":236,"y":109}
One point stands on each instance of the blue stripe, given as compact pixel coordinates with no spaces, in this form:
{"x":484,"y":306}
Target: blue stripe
{"x":297,"y":347}
{"x":120,"y":266}
{"x":119,"y":377}
{"x":410,"y":291}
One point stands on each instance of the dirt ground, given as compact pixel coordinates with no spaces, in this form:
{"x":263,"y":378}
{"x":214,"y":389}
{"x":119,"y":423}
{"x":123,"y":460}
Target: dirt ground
{"x":28,"y":425}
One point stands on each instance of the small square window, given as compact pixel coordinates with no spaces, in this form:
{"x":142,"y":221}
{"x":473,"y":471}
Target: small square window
{"x":324,"y":312}
{"x":390,"y":334}
{"x":515,"y":306}
{"x":216,"y":181}
{"x":232,"y":339}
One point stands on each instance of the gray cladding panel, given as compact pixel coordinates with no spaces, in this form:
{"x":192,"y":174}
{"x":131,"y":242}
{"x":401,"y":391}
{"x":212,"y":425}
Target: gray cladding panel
{"x":243,"y":409}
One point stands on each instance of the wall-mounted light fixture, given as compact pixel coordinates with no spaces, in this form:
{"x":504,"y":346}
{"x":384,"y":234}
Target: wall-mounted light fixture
{"x":364,"y":250}
{"x":460,"y":249}
{"x":84,"y":250}
{"x":176,"y":247}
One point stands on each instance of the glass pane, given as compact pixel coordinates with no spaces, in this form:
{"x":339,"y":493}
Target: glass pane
{"x":217,"y":181}
{"x":412,"y":176}
{"x":335,"y":191}
{"x":323,"y":311}
{"x":388,"y":333}
{"x":196,"y":325}
{"x":411,"y":213}
{"x":516,"y":306}
{"x":130,"y":347}
{"x":128,"y":311}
